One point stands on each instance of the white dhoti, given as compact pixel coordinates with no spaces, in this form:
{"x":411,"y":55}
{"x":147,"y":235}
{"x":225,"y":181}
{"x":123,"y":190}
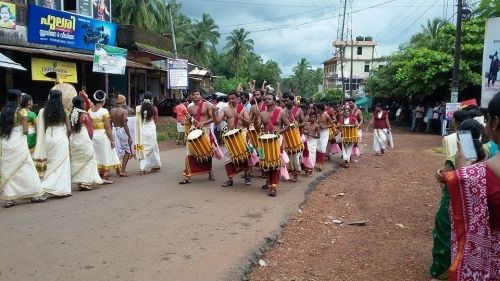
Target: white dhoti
{"x":312,"y":145}
{"x":83,"y":163}
{"x":150,"y":158}
{"x":294,"y":163}
{"x":105,"y":155}
{"x":379,"y":140}
{"x":121,"y":141}
{"x":180,"y":127}
{"x":57,"y":178}
{"x":19,"y":177}
{"x":347,"y":151}
{"x":323,"y":140}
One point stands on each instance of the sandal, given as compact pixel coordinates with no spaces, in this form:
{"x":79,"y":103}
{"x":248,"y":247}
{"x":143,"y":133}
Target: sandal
{"x":39,"y":199}
{"x":272,"y":192}
{"x":185,"y":181}
{"x":123,"y":175}
{"x":9,"y":204}
{"x":227,"y":183}
{"x":211,"y":177}
{"x":84,"y":187}
{"x":106,"y":180}
{"x":265,"y":186}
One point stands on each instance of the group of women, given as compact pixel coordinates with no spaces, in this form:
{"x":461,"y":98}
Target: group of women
{"x":467,"y":226}
{"x":42,"y":158}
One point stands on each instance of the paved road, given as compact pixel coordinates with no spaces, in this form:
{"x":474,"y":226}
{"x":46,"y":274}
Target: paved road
{"x":144,"y":228}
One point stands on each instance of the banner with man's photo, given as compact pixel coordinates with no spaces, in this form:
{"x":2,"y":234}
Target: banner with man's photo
{"x":491,"y":61}
{"x":51,"y":4}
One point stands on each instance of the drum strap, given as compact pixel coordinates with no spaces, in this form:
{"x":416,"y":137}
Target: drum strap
{"x":293,"y":116}
{"x":239,"y":108}
{"x":198,"y":112}
{"x":273,"y":120}
{"x":263,"y":106}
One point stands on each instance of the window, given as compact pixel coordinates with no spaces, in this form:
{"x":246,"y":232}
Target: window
{"x":367,"y":68}
{"x":360,"y":50}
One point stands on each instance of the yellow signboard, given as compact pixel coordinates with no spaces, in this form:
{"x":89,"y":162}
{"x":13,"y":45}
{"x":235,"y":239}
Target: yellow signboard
{"x":47,"y":70}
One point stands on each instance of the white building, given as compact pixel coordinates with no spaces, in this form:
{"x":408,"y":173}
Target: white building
{"x":363,"y":52}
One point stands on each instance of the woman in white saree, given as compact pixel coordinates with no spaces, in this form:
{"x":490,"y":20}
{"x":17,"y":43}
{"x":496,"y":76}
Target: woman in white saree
{"x":146,"y":146}
{"x":18,"y":175}
{"x":53,"y":147}
{"x":83,"y":164}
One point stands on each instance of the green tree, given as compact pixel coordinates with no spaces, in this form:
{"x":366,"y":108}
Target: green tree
{"x":201,"y":40}
{"x":238,"y":46}
{"x":488,"y":9}
{"x":432,"y":27}
{"x":146,"y":14}
{"x":301,"y":71}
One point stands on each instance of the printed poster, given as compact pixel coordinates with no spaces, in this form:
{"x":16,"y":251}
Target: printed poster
{"x":491,"y":61}
{"x":84,"y":8}
{"x":102,"y":9}
{"x":50,"y":4}
{"x":110,"y":59}
{"x":177,"y":74}
{"x":40,"y":69}
{"x":7,"y":15}
{"x":451,"y":108}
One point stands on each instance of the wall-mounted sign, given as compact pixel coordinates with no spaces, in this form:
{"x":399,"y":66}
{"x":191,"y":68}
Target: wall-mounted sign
{"x":177,"y":74}
{"x":7,"y":15}
{"x":52,"y":27}
{"x":51,"y":4}
{"x":109,"y":59}
{"x":44,"y":70}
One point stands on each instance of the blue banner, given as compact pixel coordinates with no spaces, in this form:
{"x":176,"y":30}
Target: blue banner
{"x":58,"y":28}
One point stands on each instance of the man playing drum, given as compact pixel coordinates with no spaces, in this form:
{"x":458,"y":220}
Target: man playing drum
{"x":356,"y":112}
{"x":235,"y":116}
{"x":274,"y":119}
{"x":295,"y":115}
{"x":325,"y":122}
{"x":200,"y":115}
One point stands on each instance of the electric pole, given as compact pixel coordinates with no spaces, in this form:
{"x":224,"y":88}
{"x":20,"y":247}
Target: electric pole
{"x":455,"y":82}
{"x":350,"y":74}
{"x":342,"y":49}
{"x":172,"y":31}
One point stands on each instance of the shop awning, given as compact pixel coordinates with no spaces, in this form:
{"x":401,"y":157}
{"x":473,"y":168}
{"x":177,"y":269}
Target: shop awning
{"x":69,"y":55}
{"x":8,"y":63}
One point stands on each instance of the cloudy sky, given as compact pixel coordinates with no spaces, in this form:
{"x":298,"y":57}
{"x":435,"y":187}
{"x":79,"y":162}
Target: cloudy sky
{"x":288,"y":30}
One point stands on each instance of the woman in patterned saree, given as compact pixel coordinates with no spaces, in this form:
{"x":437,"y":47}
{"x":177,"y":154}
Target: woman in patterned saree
{"x":475,"y":212}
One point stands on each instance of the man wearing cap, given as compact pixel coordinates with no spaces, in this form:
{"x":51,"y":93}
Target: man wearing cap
{"x":121,"y":133}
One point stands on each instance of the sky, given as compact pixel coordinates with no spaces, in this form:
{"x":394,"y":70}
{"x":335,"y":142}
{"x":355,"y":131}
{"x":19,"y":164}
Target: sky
{"x":287,"y":30}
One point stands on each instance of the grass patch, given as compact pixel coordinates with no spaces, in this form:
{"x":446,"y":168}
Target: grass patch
{"x":166,"y":132}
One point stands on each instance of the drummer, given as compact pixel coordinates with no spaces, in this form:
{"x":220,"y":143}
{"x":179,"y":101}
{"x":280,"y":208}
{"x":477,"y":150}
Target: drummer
{"x":200,"y":115}
{"x":347,"y":119}
{"x":235,"y":116}
{"x":295,"y":115}
{"x":273,"y":119}
{"x":255,"y":111}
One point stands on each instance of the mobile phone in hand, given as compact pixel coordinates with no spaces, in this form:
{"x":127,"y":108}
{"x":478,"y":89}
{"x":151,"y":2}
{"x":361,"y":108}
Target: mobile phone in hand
{"x":467,"y":144}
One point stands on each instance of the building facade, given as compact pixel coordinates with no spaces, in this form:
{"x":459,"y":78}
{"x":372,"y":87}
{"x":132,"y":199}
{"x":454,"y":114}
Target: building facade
{"x":352,"y":60}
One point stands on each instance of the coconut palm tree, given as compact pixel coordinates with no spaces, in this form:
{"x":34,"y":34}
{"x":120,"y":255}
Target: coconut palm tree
{"x":300,"y":73}
{"x":432,"y":27}
{"x":201,"y":39}
{"x":238,"y":46}
{"x":146,"y":14}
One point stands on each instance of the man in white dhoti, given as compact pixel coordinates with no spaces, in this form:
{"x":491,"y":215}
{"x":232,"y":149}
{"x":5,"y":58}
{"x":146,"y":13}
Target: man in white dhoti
{"x":381,"y":126}
{"x":121,"y":133}
{"x":18,"y":175}
{"x":347,"y":144}
{"x":147,"y":148}
{"x":325,"y":122}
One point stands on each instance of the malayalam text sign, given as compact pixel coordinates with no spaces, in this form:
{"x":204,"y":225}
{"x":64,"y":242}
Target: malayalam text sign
{"x":65,"y":70}
{"x":58,"y":28}
{"x":178,"y":74}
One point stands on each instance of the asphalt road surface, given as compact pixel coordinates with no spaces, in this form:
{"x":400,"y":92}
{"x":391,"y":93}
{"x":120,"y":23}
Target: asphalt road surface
{"x":145,"y":228}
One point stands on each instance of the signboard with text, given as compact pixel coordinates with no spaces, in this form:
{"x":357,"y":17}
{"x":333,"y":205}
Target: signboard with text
{"x":84,"y":7}
{"x":451,"y":108}
{"x":178,"y":74}
{"x":58,"y":28}
{"x":41,"y":67}
{"x":109,"y":59}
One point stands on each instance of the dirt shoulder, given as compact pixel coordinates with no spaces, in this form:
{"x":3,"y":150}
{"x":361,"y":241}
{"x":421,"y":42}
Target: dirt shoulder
{"x":396,"y":194}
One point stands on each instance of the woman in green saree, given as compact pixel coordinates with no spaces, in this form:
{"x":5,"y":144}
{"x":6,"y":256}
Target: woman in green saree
{"x":26,"y":104}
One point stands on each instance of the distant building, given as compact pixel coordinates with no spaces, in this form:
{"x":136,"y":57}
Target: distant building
{"x":363,"y":52}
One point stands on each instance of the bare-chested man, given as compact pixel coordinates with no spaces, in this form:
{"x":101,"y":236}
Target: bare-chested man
{"x":235,"y":116}
{"x":256,"y":109}
{"x":325,"y":122}
{"x":295,"y":115}
{"x":121,"y":133}
{"x":274,"y":119}
{"x":356,"y":112}
{"x":200,"y":115}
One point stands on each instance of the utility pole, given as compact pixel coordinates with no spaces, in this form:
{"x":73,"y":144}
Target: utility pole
{"x":455,"y":82}
{"x":352,"y":58}
{"x":342,"y":49}
{"x":172,"y":31}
